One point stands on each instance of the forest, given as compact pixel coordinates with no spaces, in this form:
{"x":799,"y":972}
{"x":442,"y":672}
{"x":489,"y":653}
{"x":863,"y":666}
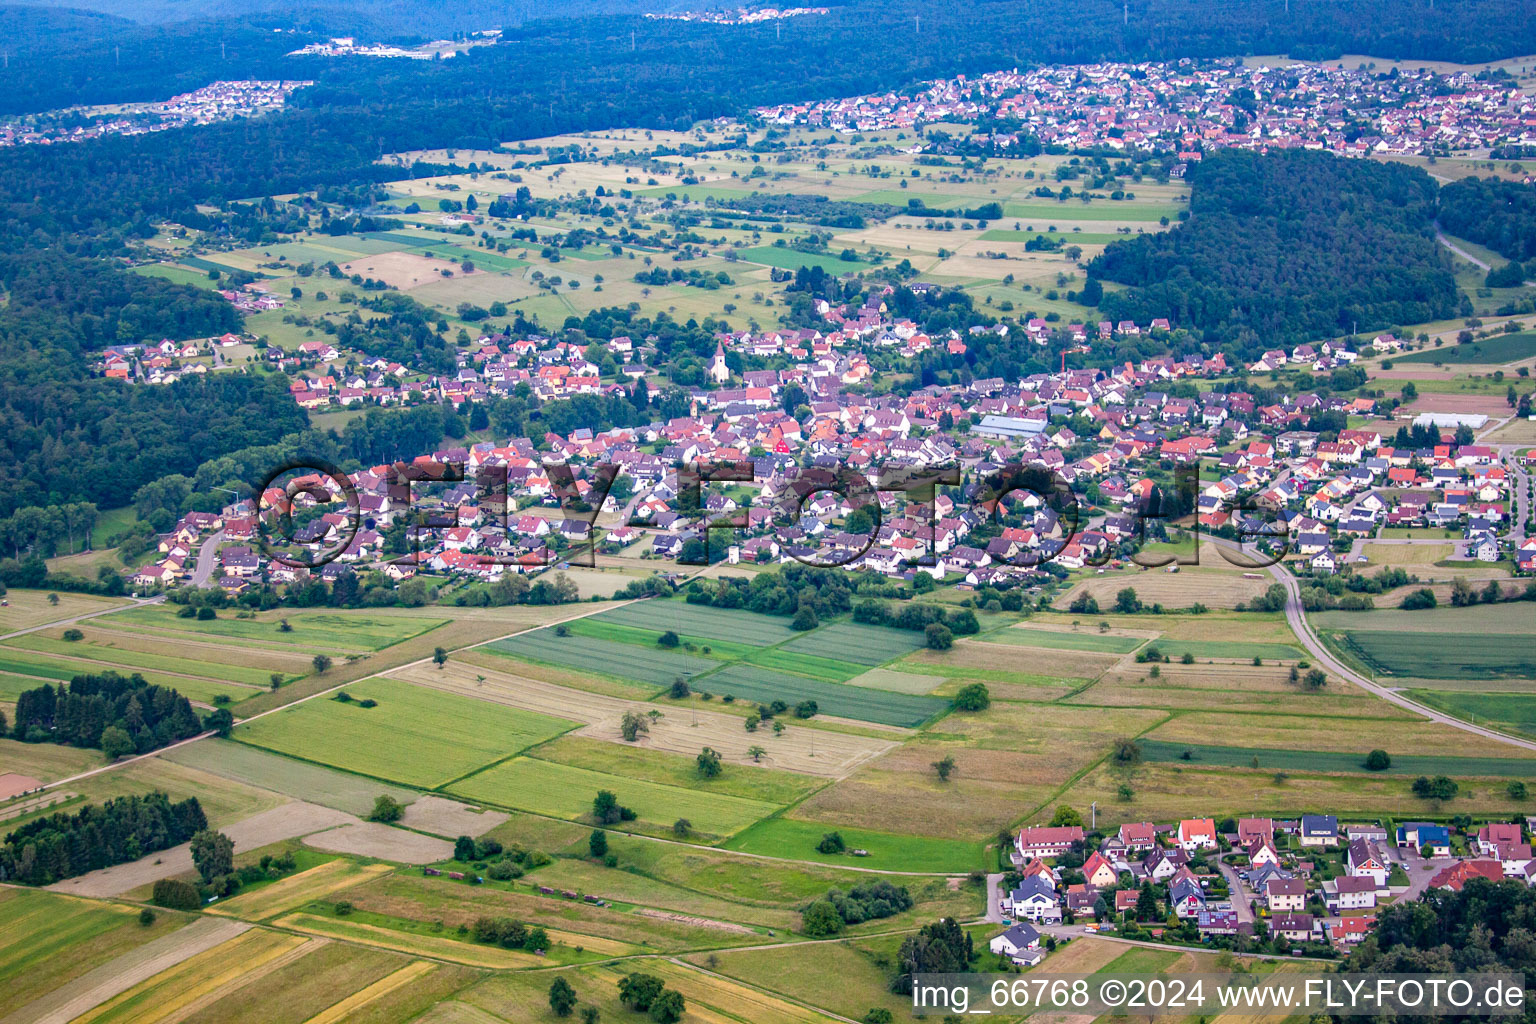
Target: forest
{"x":118,"y":714}
{"x":1286,"y":247}
{"x":122,"y":829}
{"x":1492,"y":212}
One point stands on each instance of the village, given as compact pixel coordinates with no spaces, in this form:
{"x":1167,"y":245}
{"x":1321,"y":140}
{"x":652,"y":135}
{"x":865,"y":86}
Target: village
{"x":1113,"y":436}
{"x":1306,"y":886}
{"x":1189,"y":107}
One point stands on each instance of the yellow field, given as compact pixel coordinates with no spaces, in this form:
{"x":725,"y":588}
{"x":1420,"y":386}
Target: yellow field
{"x":835,"y":753}
{"x":378,"y":990}
{"x":402,"y":942}
{"x":297,"y":890}
{"x":197,"y":979}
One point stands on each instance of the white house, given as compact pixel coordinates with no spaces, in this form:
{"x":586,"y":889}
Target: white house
{"x":1020,"y":943}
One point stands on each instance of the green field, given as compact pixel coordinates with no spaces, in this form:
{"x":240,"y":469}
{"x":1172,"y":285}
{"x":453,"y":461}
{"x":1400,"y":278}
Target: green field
{"x":656,"y":665}
{"x":1320,"y":761}
{"x":700,"y":620}
{"x":1075,"y":211}
{"x":333,"y":631}
{"x":1066,"y":237}
{"x":828,"y":670}
{"x":213,"y":664}
{"x":1501,"y":348}
{"x":563,"y":791}
{"x":48,"y":940}
{"x":401,"y":239}
{"x":1098,"y":643}
{"x":45,"y":667}
{"x":785,"y":258}
{"x":751,"y":782}
{"x":1430,"y":655}
{"x":484,"y":259}
{"x":883,"y":707}
{"x":783,"y":837}
{"x":416,"y":736}
{"x":177,"y":275}
{"x":1515,"y":712}
{"x":849,"y":641}
{"x":1237,"y":649}
{"x":298,"y":779}
{"x":1509,"y":617}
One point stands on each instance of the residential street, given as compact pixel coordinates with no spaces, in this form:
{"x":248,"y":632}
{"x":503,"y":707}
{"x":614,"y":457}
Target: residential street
{"x":207,"y":555}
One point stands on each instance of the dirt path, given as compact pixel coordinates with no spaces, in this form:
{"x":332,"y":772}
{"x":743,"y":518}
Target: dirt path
{"x":117,"y":976}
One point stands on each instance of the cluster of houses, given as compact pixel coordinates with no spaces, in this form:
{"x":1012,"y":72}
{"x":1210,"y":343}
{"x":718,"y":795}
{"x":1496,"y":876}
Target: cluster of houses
{"x":1302,"y":881}
{"x":1188,"y":108}
{"x":220,"y":101}
{"x":166,"y":361}
{"x":1103,"y":430}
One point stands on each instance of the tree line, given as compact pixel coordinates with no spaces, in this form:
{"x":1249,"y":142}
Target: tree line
{"x":116,"y":714}
{"x":122,"y":829}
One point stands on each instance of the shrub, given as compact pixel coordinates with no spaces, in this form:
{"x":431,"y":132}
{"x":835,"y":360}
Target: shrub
{"x":386,"y":809}
{"x":1378,"y":761}
{"x":176,"y":894}
{"x":832,"y":842}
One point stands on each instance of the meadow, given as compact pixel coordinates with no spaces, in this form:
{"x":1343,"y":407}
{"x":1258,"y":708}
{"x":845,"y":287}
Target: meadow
{"x":797,"y":840}
{"x":563,"y":791}
{"x":1501,"y":348}
{"x":1512,"y":711}
{"x":416,"y":736}
{"x":1331,"y":761}
{"x":300,"y":780}
{"x":1429,"y":655}
{"x":701,"y":621}
{"x":848,"y":641}
{"x":28,"y":608}
{"x":882,"y":707}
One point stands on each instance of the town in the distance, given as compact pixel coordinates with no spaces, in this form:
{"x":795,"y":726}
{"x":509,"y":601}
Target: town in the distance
{"x":500,"y":523}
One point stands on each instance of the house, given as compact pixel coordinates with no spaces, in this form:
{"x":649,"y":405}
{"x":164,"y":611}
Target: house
{"x":1429,"y":840}
{"x":1262,"y":852}
{"x":1138,"y":837}
{"x":1363,"y":861}
{"x":1350,"y":892}
{"x":1318,"y":830}
{"x":1462,"y":872}
{"x":1197,"y":834}
{"x":1048,"y":841}
{"x":1349,"y":930}
{"x":1492,"y":836}
{"x":1020,"y":943}
{"x":1161,"y":864}
{"x":1218,"y":922}
{"x":1284,"y":895}
{"x":1185,"y":896}
{"x":1295,"y":927}
{"x":1034,"y":900}
{"x":1249,"y":829}
{"x":1099,"y":872}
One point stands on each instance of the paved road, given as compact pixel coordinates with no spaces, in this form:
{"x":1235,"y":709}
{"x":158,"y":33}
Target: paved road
{"x":207,"y":554}
{"x":1297,"y":618}
{"x":1459,"y":251}
{"x":1240,"y":899}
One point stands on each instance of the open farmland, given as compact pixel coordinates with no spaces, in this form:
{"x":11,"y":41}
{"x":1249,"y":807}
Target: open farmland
{"x":796,"y":840}
{"x":849,"y":641}
{"x":562,"y":791}
{"x":700,"y":620}
{"x":837,"y":699}
{"x":1429,"y":656}
{"x":1325,"y":761}
{"x":1501,"y":348}
{"x":300,"y":780}
{"x":296,"y":890}
{"x":337,"y":631}
{"x":28,"y":608}
{"x":415,"y":735}
{"x":1512,"y":711}
{"x":680,"y":729}
{"x":1061,"y":640}
{"x":655,"y":665}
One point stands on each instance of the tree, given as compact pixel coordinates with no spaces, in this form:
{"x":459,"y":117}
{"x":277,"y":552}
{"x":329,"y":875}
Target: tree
{"x":1126,"y":751}
{"x":668,"y":1007}
{"x":1516,"y":790}
{"x":439,"y":657}
{"x":597,"y":843}
{"x":632,"y":725}
{"x":679,"y":689}
{"x":709,"y":763}
{"x":176,"y":894}
{"x":945,"y":767}
{"x":562,"y":997}
{"x":219,"y":720}
{"x":115,"y":743}
{"x":1146,"y":903}
{"x":878,"y":1015}
{"x":668,"y":639}
{"x":386,"y":809}
{"x":322,"y":663}
{"x":752,"y":721}
{"x":464,"y":849}
{"x":590,"y":1015}
{"x":831,"y":842}
{"x":275,"y":680}
{"x":1378,"y":761}
{"x":1065,"y":815}
{"x":778,"y":728}
{"x":213,"y":854}
{"x":1126,"y":601}
{"x":805,"y":619}
{"x":53,"y":599}
{"x":638,"y":991}
{"x":1438,"y":788}
{"x":973,"y":697}
{"x":146,"y":917}
{"x":605,"y":807}
{"x":754,"y":752}
{"x":938,"y":636}
{"x":821,"y":918}
{"x":682,"y":827}
{"x":1315,"y":679}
